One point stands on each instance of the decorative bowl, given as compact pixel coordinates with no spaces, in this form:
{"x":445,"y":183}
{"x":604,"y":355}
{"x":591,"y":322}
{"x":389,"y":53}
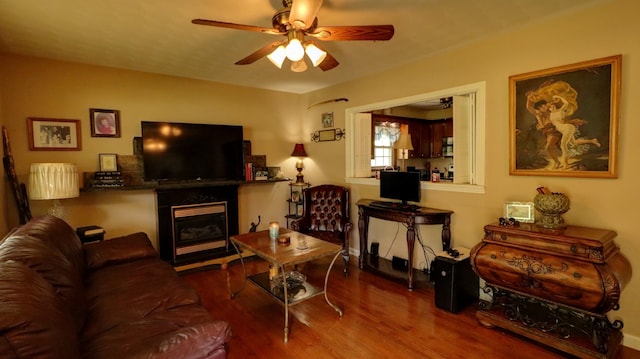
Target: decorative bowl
{"x":551,"y":207}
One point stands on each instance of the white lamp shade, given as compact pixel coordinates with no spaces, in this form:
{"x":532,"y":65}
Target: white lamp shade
{"x":294,"y":50}
{"x":277,"y":56}
{"x":299,"y":66}
{"x":403,"y":142}
{"x":53,"y":181}
{"x":315,"y":54}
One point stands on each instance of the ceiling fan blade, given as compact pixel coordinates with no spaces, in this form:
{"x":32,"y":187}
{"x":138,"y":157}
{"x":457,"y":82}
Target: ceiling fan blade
{"x":329,"y":61}
{"x":230,"y":25}
{"x":346,"y":33}
{"x":260,"y":53}
{"x":303,"y":13}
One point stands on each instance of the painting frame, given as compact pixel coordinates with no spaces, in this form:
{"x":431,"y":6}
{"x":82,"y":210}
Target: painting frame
{"x":327,"y":119}
{"x":52,"y":134}
{"x":108,"y":162}
{"x":520,"y":211}
{"x":563,"y":121}
{"x":104,"y":123}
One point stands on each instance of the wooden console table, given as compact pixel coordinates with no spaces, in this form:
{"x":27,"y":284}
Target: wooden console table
{"x":553,"y":286}
{"x":411,"y":218}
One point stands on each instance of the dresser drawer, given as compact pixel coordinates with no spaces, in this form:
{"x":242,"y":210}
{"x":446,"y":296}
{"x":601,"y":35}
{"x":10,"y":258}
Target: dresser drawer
{"x":573,"y":282}
{"x":593,"y":245}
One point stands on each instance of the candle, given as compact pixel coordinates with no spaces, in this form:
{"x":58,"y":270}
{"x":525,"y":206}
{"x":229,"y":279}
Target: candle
{"x":274,"y":230}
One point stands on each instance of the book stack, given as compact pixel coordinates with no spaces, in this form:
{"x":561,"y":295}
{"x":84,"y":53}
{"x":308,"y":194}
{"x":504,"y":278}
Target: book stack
{"x":90,"y":233}
{"x":108,"y":179}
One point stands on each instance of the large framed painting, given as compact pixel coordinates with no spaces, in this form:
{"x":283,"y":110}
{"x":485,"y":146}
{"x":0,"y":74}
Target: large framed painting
{"x":563,"y":121}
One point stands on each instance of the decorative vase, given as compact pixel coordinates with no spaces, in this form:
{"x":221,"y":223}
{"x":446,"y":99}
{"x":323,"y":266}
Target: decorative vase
{"x":551,"y":207}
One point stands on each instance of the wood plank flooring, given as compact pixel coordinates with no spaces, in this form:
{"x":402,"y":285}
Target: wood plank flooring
{"x":382,"y":319}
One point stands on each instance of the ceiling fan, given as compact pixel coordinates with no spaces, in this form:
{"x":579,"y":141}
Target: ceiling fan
{"x":297,"y":21}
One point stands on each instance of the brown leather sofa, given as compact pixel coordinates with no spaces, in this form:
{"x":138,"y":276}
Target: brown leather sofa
{"x":110,"y":299}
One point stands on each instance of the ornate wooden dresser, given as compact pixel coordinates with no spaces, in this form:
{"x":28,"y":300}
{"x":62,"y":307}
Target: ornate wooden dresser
{"x":553,"y":286}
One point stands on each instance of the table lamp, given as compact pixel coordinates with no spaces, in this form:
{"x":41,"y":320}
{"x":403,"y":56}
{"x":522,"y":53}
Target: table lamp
{"x":53,"y":181}
{"x":403,"y":143}
{"x":298,"y":151}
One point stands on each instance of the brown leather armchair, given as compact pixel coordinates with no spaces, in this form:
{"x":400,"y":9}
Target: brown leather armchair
{"x":326,"y":216}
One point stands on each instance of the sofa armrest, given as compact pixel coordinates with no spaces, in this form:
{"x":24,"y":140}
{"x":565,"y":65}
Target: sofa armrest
{"x":117,"y":250}
{"x":206,"y":340}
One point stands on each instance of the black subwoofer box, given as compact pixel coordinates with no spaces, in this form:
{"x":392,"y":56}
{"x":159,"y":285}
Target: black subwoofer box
{"x":456,"y":284}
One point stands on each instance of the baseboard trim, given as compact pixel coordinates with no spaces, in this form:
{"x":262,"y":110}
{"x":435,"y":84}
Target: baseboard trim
{"x":631,"y":341}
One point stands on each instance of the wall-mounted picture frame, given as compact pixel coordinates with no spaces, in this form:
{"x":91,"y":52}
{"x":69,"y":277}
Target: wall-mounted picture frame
{"x":104,"y":123}
{"x":327,"y":119}
{"x":563,"y":121}
{"x":49,"y":134}
{"x":335,"y":134}
{"x":520,"y":211}
{"x":108,"y":162}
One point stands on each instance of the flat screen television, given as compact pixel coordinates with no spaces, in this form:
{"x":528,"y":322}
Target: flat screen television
{"x":403,"y":186}
{"x":192,"y":152}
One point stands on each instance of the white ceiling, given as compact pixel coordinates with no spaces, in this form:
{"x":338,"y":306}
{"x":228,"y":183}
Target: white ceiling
{"x":157,"y":36}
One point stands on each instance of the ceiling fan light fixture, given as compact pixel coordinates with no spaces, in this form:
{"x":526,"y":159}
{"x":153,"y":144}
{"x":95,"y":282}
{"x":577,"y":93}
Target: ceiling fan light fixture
{"x":303,"y":13}
{"x":278,"y":56}
{"x":315,"y":54}
{"x":294,"y":50}
{"x":299,"y":66}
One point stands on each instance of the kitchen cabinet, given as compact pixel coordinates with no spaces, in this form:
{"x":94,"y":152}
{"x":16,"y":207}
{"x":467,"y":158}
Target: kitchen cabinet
{"x":440,"y":130}
{"x":420,"y":139}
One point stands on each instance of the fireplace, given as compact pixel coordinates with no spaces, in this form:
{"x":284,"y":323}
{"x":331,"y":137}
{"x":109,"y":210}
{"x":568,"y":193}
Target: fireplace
{"x":194,"y":224}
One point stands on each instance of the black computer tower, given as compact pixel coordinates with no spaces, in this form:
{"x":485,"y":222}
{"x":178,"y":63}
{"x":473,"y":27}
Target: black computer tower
{"x":456,"y":284}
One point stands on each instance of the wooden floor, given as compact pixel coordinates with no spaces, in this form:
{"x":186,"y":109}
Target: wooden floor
{"x":382,"y":319}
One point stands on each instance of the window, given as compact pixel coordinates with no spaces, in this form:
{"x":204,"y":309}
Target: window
{"x":385,"y":134}
{"x":469,"y":141}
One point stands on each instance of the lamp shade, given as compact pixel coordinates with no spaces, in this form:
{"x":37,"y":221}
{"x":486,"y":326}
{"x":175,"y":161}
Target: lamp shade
{"x":278,"y":56}
{"x":316,"y":55}
{"x":298,"y":150}
{"x":403,"y":142}
{"x":53,"y":181}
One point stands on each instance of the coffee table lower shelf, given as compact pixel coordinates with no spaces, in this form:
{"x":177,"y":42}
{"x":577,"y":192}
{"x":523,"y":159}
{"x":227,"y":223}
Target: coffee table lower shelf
{"x":270,"y":286}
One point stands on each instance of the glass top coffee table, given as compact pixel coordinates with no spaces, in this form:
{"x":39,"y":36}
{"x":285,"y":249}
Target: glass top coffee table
{"x":289,"y":288}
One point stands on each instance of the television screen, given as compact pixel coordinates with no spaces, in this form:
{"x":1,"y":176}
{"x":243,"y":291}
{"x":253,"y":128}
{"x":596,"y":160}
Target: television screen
{"x":192,"y":152}
{"x":403,"y":186}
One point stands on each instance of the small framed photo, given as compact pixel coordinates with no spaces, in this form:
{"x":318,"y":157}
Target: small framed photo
{"x":300,"y":210}
{"x":48,"y":134}
{"x":104,"y":123}
{"x":108,"y":162}
{"x":520,"y":211}
{"x":295,"y":196}
{"x":327,"y":119}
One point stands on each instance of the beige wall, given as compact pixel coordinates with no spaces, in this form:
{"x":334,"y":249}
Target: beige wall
{"x":50,"y":89}
{"x":274,"y":121}
{"x":593,"y":32}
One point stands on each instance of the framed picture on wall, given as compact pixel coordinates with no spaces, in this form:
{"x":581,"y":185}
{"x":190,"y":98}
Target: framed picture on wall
{"x":327,"y":119}
{"x":48,"y":134}
{"x":104,"y":123}
{"x":564,"y":120}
